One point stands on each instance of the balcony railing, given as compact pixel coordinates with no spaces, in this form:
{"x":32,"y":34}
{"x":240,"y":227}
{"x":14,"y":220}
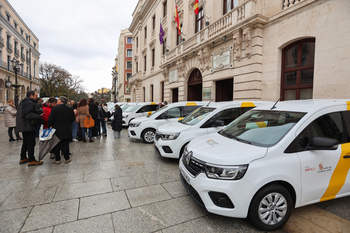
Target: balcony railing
{"x":3,"y":65}
{"x":220,"y":27}
{"x":290,"y":3}
{"x":9,"y":46}
{"x":23,"y":57}
{"x":17,"y":52}
{"x":2,"y":42}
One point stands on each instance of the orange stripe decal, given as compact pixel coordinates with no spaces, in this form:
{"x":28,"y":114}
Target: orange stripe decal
{"x":348,"y":105}
{"x":339,"y":175}
{"x":149,"y":113}
{"x":247,"y":104}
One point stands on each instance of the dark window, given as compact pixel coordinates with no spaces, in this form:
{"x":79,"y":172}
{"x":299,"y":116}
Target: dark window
{"x":164,"y":8}
{"x":145,"y":59}
{"x":200,"y":20}
{"x":145,"y":32}
{"x":129,"y":65}
{"x":8,"y":17}
{"x":128,"y":75}
{"x":151,"y":93}
{"x":226,"y":115}
{"x":137,"y":42}
{"x":129,"y":40}
{"x":148,"y":108}
{"x":137,"y":67}
{"x":298,"y":70}
{"x":153,"y":56}
{"x":228,"y":5}
{"x":129,"y":52}
{"x":144,"y":94}
{"x":189,"y":109}
{"x":154,"y":22}
{"x":329,"y":125}
{"x":164,"y":46}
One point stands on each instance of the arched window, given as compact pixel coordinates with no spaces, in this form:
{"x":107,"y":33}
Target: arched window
{"x":151,"y":92}
{"x":298,"y":70}
{"x":34,"y":68}
{"x":144,"y":94}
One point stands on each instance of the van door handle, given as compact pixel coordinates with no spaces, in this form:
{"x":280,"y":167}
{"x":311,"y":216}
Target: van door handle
{"x":347,"y":156}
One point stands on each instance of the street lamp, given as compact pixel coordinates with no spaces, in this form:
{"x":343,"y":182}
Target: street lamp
{"x":16,"y":66}
{"x":115,"y":78}
{"x":7,"y":84}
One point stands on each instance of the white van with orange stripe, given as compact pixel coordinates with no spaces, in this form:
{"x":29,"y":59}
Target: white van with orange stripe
{"x":136,"y":110}
{"x":145,"y":127}
{"x":171,"y":138}
{"x":270,"y":160}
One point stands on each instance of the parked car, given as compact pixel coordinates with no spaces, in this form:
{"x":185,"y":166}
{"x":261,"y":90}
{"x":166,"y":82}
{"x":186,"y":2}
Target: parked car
{"x":270,"y":160}
{"x":145,"y":127}
{"x":138,"y":110}
{"x":172,"y":138}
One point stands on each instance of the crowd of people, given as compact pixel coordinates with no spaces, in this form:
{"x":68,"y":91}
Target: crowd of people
{"x":72,"y":122}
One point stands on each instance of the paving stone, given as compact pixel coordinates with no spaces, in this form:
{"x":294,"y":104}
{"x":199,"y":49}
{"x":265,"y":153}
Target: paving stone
{"x":100,"y":174}
{"x":76,"y":190}
{"x":12,"y":220}
{"x":199,"y":225}
{"x":100,"y":224}
{"x":157,"y":178}
{"x":128,"y":182}
{"x":147,"y":195}
{"x":142,"y":219}
{"x":180,"y":210}
{"x":176,"y":189}
{"x":7,"y":186}
{"x":45,"y":230}
{"x":27,"y":198}
{"x":102,"y":204}
{"x":56,"y":180}
{"x":3,"y":197}
{"x":52,"y":214}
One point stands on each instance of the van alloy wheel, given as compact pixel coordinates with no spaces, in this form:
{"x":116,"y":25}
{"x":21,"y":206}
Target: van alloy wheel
{"x":271,"y":208}
{"x":148,"y":135}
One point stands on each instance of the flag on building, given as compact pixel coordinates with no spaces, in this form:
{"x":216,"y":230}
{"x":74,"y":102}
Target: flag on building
{"x":177,"y":20}
{"x":161,"y":34}
{"x":196,"y":9}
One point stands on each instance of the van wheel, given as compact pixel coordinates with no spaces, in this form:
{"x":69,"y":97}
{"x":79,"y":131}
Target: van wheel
{"x":148,"y":135}
{"x":270,"y":208}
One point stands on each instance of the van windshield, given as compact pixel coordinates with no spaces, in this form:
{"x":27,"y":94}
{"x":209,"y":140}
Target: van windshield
{"x":125,"y":106}
{"x":196,"y":116}
{"x":262,"y":127}
{"x":132,"y":108}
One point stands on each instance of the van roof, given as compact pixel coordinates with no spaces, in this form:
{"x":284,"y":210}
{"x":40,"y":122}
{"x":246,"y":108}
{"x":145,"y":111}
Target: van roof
{"x":307,"y":105}
{"x":239,"y":103}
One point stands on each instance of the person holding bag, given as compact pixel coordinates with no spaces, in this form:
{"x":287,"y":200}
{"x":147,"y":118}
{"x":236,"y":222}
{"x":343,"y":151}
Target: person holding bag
{"x":10,"y":119}
{"x":83,"y":110}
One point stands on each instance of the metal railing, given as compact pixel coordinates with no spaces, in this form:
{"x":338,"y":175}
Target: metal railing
{"x":17,"y":52}
{"x":9,"y":46}
{"x":2,"y":41}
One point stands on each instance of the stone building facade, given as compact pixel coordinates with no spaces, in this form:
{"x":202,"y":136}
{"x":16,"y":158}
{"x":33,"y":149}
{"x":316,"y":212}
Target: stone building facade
{"x":241,"y":49}
{"x":125,"y":64}
{"x":19,"y":42}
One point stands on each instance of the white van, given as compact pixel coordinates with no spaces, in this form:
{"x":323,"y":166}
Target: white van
{"x":145,"y":127}
{"x":270,"y":160}
{"x":138,"y":110}
{"x":171,"y":138}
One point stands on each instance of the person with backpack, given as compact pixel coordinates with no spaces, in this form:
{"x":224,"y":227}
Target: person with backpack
{"x":101,"y":121}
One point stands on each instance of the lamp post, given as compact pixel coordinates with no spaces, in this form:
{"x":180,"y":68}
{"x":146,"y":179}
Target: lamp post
{"x":115,"y":78}
{"x":16,"y":66}
{"x":7,"y":84}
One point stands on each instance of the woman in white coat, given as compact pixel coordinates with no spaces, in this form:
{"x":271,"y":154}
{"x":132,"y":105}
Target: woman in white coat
{"x":10,"y":119}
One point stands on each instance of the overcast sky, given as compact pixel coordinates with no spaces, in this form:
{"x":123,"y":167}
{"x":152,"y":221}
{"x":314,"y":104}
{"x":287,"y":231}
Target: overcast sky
{"x":81,"y":36}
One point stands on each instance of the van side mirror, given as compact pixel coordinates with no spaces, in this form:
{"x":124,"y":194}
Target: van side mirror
{"x":219,"y":123}
{"x":323,"y":143}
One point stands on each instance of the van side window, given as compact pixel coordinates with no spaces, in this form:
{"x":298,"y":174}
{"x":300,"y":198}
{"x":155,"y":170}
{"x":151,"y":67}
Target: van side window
{"x":171,"y":113}
{"x":188,"y":110}
{"x":226,"y":115}
{"x":346,"y":117}
{"x":329,"y":125}
{"x":147,"y":108}
{"x":244,"y":110}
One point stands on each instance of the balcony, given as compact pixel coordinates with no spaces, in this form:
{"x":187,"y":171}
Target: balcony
{"x":136,"y":78}
{"x":3,"y":65}
{"x":246,"y":13}
{"x":23,"y":57}
{"x":290,"y":3}
{"x":16,"y":52}
{"x":2,"y":44}
{"x":9,"y":47}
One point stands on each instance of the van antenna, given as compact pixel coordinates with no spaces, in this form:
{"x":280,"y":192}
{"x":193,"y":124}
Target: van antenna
{"x":209,"y":103}
{"x":274,"y":106}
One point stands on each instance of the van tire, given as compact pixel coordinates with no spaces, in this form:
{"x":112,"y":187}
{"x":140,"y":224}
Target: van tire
{"x":148,"y":136}
{"x":266,"y":199}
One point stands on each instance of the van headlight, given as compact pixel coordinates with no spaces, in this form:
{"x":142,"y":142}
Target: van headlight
{"x":170,"y":136}
{"x":225,"y":172}
{"x":135,"y":124}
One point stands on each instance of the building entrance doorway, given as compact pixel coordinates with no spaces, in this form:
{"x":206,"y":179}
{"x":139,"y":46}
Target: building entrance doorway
{"x":224,"y":90}
{"x":195,"y":86}
{"x":175,"y":95}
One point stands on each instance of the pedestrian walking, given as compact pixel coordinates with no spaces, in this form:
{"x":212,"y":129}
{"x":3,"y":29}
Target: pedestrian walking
{"x":27,"y":122}
{"x":83,"y":109}
{"x":75,"y":124}
{"x":93,"y":110}
{"x":61,"y":119}
{"x":10,"y":119}
{"x":117,"y":121}
{"x":101,"y":121}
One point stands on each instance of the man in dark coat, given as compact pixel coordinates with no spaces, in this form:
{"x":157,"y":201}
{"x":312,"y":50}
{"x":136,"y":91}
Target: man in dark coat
{"x":27,"y":122}
{"x":117,"y":124}
{"x":61,"y":119}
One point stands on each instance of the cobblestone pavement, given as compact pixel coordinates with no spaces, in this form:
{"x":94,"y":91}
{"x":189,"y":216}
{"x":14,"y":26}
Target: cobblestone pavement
{"x":119,"y":185}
